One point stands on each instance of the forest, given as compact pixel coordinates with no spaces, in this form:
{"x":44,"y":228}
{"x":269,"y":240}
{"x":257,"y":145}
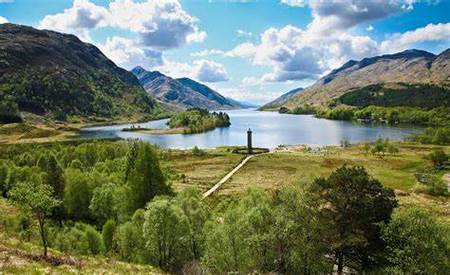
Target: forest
{"x":114,"y":198}
{"x":197,"y":120}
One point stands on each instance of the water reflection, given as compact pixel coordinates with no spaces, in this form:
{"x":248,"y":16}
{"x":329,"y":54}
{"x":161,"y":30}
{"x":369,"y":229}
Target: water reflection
{"x":270,"y":129}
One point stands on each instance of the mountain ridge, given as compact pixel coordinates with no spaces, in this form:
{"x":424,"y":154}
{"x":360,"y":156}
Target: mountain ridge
{"x":407,"y":67}
{"x":182,"y":92}
{"x":47,"y":73}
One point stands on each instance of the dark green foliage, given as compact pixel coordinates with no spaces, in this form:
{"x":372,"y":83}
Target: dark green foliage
{"x":416,"y":244}
{"x":436,"y":135}
{"x":336,"y":114}
{"x":439,"y":158}
{"x":77,"y":195}
{"x":146,"y":178}
{"x":94,"y":240}
{"x":108,"y":230}
{"x":165,"y":230}
{"x":304,"y":110}
{"x":197,"y":120}
{"x":417,"y":95}
{"x":9,"y":110}
{"x":51,"y":167}
{"x":197,"y":151}
{"x":352,"y":205}
{"x":103,"y":205}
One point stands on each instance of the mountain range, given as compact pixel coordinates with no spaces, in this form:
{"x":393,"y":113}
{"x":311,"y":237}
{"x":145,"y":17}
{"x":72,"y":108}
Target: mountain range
{"x":56,"y":75}
{"x":401,"y":72}
{"x":182,"y":92}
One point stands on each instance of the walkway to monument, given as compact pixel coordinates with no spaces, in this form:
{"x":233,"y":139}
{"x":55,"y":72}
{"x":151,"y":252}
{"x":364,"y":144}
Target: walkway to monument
{"x":227,"y":176}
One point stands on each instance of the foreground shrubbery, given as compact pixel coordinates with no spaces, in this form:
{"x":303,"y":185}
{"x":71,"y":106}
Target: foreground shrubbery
{"x":196,"y":120}
{"x":112,"y":198}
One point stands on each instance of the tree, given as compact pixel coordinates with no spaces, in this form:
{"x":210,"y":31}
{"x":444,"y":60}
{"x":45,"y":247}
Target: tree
{"x":103,"y":203}
{"x":166,"y":231}
{"x":77,"y":195}
{"x":36,"y":197}
{"x":197,"y":213}
{"x":352,"y":205}
{"x":297,"y":235}
{"x":94,"y":240}
{"x":416,"y":244}
{"x":146,"y":179}
{"x":108,"y":231}
{"x":48,"y":163}
{"x":438,"y":157}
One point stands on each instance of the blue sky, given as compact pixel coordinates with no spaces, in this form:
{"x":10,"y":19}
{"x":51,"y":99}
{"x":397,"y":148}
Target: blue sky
{"x":248,"y":50}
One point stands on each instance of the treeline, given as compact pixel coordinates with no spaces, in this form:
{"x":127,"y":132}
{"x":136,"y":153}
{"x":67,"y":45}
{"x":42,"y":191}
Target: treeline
{"x":113,"y":198}
{"x":197,"y":120}
{"x":412,"y":95}
{"x":392,"y":115}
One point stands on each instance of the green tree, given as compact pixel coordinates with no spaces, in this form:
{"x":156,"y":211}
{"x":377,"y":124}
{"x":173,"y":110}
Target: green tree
{"x":146,"y":178}
{"x":77,"y":195}
{"x":197,"y":213}
{"x":94,"y":240}
{"x":108,"y":231}
{"x":166,"y":231}
{"x":416,"y":243}
{"x":36,"y":197}
{"x":297,"y":235}
{"x":352,"y":205}
{"x":48,"y":163}
{"x":438,"y":157}
{"x":103,"y":203}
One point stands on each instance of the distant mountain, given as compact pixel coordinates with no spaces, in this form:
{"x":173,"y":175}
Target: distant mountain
{"x":53,"y":74}
{"x":394,"y":72}
{"x":243,"y":104}
{"x":182,"y":92}
{"x":282,"y":98}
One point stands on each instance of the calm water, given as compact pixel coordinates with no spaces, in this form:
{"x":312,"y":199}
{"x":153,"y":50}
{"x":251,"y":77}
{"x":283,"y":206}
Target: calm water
{"x":270,"y":129}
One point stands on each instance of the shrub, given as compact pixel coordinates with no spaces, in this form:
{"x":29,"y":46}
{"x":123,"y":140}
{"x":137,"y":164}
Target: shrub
{"x":108,"y":231}
{"x":94,"y":240}
{"x":439,"y":158}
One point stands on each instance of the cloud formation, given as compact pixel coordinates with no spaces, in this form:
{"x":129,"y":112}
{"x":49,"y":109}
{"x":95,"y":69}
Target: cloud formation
{"x":3,"y":20}
{"x":328,"y":41}
{"x":202,"y":70}
{"x":161,"y":24}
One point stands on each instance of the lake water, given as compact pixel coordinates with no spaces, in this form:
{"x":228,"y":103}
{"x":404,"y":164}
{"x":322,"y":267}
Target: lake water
{"x":270,"y":129}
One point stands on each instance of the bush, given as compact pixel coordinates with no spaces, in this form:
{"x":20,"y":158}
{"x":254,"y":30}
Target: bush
{"x":108,"y":231}
{"x":94,"y":240}
{"x":439,"y":158}
{"x":197,"y":151}
{"x":416,"y":243}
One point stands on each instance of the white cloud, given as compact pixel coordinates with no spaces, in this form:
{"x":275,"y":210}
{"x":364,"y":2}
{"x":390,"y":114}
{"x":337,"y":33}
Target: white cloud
{"x":307,"y":53}
{"x":161,"y":24}
{"x":3,"y":20}
{"x":207,"y":53}
{"x":402,"y":41}
{"x":128,"y":54}
{"x":295,"y":3}
{"x":369,"y":28}
{"x":202,"y":70}
{"x":78,"y":19}
{"x":242,"y":33}
{"x":6,"y":1}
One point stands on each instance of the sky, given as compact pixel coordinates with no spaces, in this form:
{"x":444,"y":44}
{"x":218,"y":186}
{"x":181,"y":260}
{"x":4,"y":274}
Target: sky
{"x":250,"y":50}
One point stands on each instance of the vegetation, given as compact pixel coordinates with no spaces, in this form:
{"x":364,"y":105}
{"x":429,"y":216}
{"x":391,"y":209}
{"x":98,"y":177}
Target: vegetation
{"x":436,"y":135}
{"x":308,"y":226}
{"x":418,"y":95}
{"x":75,"y":81}
{"x":196,"y":120}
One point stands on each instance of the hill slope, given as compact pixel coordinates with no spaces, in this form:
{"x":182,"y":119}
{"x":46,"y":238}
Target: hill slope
{"x":57,"y":75}
{"x":279,"y":100}
{"x":182,"y":92}
{"x":393,"y":72}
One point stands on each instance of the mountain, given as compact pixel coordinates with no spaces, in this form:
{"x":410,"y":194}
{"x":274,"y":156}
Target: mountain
{"x":182,"y":92}
{"x":242,"y":104}
{"x":283,"y":98}
{"x":398,"y":73}
{"x":56,"y":75}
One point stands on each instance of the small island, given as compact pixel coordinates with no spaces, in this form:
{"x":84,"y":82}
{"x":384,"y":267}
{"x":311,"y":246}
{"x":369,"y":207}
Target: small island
{"x":191,"y":121}
{"x":198,"y":120}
